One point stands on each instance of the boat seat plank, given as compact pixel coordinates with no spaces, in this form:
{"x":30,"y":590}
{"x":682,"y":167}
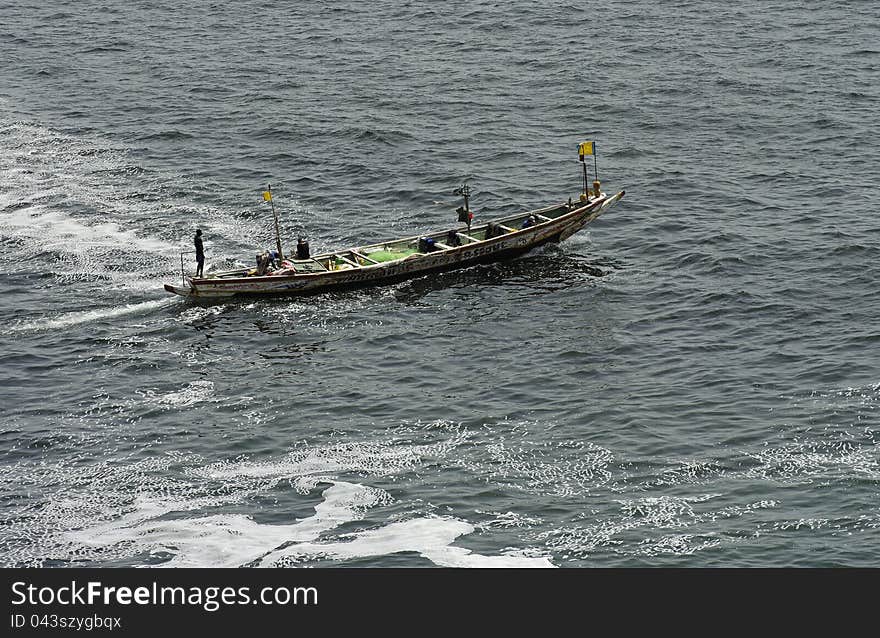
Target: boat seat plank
{"x":542,"y":218}
{"x":347,"y":260}
{"x":362,"y":256}
{"x":442,"y":246}
{"x":506,"y":228}
{"x":468,"y":237}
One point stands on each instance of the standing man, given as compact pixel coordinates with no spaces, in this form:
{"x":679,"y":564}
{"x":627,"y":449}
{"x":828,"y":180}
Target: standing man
{"x":200,"y":254}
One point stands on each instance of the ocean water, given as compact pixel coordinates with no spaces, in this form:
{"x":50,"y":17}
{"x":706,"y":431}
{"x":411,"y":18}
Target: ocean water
{"x":691,"y":381}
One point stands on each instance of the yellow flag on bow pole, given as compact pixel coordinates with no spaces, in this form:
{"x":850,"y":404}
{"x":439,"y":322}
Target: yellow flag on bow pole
{"x":267,"y":196}
{"x":586,"y":148}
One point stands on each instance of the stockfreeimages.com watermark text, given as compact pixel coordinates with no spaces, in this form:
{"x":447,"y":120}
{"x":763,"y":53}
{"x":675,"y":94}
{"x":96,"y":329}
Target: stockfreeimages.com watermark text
{"x":209,"y":598}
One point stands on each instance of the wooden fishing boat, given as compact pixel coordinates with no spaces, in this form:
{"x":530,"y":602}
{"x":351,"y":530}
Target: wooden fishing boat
{"x":395,"y":260}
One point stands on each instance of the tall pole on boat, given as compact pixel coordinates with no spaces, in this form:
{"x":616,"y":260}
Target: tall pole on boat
{"x":595,"y":164}
{"x":584,"y":164}
{"x":588,"y":148}
{"x":267,"y":196}
{"x":464,"y":212}
{"x":584,"y":148}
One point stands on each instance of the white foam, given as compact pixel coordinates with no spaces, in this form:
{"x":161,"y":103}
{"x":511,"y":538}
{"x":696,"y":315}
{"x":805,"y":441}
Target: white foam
{"x":676,"y":544}
{"x":235,"y":540}
{"x":83,"y":199}
{"x":56,"y":197}
{"x":75,"y":318}
{"x":57,"y":230}
{"x":663,"y":511}
{"x":430,"y":537}
{"x":200,"y":391}
{"x":378,"y":459}
{"x":575,"y":468}
{"x":191,"y":514}
{"x":693,"y":530}
{"x":223,"y":540}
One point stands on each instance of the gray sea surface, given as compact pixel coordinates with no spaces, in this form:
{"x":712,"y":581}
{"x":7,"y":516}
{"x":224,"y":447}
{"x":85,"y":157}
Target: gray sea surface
{"x":691,"y":381}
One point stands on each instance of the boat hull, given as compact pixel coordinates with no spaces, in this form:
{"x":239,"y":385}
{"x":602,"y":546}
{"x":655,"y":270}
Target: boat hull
{"x":479,"y":252}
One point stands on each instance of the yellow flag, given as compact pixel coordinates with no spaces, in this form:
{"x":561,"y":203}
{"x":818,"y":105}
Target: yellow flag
{"x":267,"y":196}
{"x":585,"y":148}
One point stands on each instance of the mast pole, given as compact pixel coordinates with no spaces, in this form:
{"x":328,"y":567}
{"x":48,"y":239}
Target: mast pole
{"x":584,"y":164}
{"x":277,"y":229}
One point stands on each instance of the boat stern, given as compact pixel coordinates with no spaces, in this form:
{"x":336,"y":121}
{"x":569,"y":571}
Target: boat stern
{"x":183,"y":291}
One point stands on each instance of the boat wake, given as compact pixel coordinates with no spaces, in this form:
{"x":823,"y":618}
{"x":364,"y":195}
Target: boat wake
{"x":73,"y":210}
{"x":75,"y":318}
{"x":77,"y":209}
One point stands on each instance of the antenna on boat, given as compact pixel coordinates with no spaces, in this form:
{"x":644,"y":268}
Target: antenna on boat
{"x":267,"y":196}
{"x":464,"y":212}
{"x":589,"y":148}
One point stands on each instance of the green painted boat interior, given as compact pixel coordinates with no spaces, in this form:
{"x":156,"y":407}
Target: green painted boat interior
{"x":390,"y":254}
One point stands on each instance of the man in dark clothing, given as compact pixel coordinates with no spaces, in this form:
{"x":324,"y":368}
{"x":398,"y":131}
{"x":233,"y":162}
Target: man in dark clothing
{"x":200,"y":254}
